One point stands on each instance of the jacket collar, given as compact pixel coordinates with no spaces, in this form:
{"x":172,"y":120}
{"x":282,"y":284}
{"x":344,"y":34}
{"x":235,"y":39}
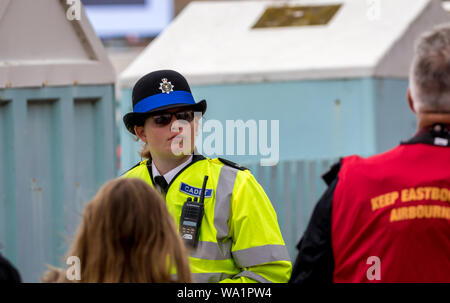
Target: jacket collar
{"x":438,"y":135}
{"x":195,"y":158}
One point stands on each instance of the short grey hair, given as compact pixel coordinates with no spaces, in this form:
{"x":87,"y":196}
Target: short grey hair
{"x":430,"y":71}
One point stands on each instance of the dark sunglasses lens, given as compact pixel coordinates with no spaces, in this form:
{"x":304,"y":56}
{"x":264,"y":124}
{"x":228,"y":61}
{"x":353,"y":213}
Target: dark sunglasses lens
{"x":163,"y":119}
{"x":187,"y":116}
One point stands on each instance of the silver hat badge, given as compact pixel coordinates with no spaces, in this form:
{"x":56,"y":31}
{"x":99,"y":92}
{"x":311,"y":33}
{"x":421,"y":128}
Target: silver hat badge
{"x":165,"y":86}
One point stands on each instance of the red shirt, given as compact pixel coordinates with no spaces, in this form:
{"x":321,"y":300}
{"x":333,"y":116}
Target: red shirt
{"x":396,"y":207}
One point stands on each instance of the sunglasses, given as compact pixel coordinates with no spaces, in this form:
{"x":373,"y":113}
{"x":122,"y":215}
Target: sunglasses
{"x":165,"y":118}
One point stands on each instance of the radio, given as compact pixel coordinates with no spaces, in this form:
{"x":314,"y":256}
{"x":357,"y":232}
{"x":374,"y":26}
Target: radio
{"x":191,"y":218}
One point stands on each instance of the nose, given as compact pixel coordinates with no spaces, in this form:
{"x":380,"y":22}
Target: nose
{"x":175,"y":127}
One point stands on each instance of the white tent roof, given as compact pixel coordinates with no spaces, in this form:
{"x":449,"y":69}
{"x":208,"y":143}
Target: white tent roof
{"x":213,"y":42}
{"x":40,"y":46}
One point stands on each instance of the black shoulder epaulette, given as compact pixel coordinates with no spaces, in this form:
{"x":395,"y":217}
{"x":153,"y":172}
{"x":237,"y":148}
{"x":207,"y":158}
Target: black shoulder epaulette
{"x":232,"y":164}
{"x":332,"y":174}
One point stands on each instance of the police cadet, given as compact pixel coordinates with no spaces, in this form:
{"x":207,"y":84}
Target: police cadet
{"x":386,"y":218}
{"x":223,"y":214}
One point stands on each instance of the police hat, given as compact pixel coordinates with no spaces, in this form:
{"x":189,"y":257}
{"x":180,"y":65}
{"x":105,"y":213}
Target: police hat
{"x":158,"y":91}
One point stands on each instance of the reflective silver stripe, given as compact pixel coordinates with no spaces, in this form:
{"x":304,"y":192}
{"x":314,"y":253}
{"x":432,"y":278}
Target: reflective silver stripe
{"x":210,"y":277}
{"x":224,"y":190}
{"x":215,"y":277}
{"x":260,"y":254}
{"x":252,"y":275}
{"x":210,"y":251}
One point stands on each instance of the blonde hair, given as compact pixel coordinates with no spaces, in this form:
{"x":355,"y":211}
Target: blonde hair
{"x":145,"y":152}
{"x":127,"y":235}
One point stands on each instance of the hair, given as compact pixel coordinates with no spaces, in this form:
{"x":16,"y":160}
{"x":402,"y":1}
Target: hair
{"x":128,"y":235}
{"x":145,"y":151}
{"x":430,"y":71}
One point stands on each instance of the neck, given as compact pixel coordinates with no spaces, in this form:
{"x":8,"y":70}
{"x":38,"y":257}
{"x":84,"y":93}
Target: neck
{"x":428,"y":119}
{"x":166,"y":165}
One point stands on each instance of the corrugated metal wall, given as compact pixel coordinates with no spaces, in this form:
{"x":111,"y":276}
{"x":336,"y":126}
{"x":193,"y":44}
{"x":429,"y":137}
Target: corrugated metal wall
{"x":56,"y":150}
{"x":294,"y":187}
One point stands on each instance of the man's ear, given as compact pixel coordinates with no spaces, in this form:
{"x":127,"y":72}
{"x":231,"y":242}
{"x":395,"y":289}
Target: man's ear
{"x":140,"y":133}
{"x":410,"y":100}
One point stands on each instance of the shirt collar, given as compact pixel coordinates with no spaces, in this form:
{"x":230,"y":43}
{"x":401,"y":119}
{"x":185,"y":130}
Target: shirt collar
{"x":172,"y":173}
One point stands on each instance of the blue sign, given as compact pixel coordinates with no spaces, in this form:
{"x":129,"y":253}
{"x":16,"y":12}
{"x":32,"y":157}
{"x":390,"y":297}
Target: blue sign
{"x":122,"y":18}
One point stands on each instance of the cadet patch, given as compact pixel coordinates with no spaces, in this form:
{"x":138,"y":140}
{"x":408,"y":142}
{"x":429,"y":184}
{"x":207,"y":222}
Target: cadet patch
{"x":194,"y":191}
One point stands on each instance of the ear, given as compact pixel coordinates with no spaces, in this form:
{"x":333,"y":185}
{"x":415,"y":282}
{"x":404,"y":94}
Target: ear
{"x":140,"y":132}
{"x":410,"y":100}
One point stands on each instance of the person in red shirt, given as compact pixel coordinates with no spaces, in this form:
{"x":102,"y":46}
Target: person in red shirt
{"x":385,"y":218}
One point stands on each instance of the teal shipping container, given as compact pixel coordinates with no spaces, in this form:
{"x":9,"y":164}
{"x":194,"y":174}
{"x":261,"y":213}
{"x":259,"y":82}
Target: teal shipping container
{"x":56,"y":129}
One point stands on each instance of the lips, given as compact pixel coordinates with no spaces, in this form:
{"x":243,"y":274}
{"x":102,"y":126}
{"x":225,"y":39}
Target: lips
{"x":175,"y":136}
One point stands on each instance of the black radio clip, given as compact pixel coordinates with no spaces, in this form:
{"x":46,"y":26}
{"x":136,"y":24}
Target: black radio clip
{"x":191,"y":218}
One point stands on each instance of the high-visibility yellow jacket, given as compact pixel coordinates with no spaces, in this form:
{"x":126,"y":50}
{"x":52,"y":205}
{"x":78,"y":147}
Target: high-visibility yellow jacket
{"x":239,"y":238}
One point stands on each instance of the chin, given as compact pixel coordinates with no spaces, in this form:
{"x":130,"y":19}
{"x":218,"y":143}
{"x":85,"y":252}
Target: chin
{"x":180,"y":154}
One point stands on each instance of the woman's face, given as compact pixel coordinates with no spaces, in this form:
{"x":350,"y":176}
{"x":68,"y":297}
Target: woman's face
{"x":171,"y":141}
